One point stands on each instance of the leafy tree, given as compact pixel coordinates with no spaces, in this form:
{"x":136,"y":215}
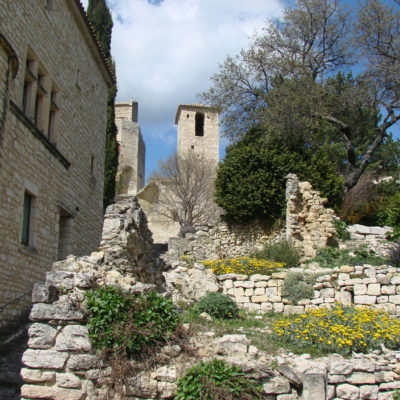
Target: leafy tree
{"x":250,"y":181}
{"x":100,"y":17}
{"x":292,"y":79}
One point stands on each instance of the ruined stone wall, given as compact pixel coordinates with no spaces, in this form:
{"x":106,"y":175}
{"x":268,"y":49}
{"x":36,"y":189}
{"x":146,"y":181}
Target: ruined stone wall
{"x":62,"y":171}
{"x":220,"y":241}
{"x":309,"y":225}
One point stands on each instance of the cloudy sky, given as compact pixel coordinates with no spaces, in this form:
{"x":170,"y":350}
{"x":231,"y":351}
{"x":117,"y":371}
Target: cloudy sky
{"x":166,"y":51}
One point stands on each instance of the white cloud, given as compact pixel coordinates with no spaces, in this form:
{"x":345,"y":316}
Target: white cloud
{"x":165,"y":54}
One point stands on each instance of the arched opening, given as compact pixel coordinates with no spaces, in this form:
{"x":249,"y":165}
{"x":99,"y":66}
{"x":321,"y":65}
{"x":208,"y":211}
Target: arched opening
{"x":199,"y":127}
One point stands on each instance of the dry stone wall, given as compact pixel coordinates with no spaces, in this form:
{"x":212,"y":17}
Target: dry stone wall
{"x":220,"y":241}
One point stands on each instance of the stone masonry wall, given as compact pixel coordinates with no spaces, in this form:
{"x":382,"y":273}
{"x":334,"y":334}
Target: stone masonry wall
{"x":362,"y":285}
{"x":64,"y":176}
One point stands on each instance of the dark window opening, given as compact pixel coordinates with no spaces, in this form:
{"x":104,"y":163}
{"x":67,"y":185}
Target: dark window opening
{"x":26,"y":219}
{"x":92,"y":165}
{"x":192,"y":147}
{"x":199,"y":127}
{"x":187,"y":115}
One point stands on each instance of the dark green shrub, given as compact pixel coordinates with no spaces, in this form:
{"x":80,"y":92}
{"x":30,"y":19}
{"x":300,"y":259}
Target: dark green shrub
{"x":120,"y":321}
{"x":280,"y":252}
{"x":216,"y":380}
{"x":298,"y":286}
{"x":217,"y":305}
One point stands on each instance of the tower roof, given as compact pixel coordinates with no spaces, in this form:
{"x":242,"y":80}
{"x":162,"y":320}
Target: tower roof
{"x":193,"y":107}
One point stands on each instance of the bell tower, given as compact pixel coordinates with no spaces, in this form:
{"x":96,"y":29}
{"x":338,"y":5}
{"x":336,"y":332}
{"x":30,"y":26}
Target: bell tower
{"x":198,"y":131}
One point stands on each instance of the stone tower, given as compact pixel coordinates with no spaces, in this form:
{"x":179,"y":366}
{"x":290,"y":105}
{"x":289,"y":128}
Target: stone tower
{"x":131,"y":160}
{"x":198,"y":131}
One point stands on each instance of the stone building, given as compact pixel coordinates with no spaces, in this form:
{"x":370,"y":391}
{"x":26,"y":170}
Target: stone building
{"x":198,"y":133}
{"x":131,"y":160}
{"x":53,"y":96}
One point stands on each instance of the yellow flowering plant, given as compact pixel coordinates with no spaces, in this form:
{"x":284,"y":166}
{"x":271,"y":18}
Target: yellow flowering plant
{"x":342,"y":329}
{"x":242,"y":265}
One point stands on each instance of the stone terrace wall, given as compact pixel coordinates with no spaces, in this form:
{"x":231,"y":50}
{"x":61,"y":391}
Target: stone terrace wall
{"x":361,"y":285}
{"x":60,"y":363}
{"x":309,"y":225}
{"x":220,"y":241}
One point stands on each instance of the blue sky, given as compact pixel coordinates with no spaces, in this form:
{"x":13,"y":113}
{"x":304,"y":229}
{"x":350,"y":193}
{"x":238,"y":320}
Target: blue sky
{"x":167,"y":50}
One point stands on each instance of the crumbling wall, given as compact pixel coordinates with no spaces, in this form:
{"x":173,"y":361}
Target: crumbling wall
{"x":309,"y":225}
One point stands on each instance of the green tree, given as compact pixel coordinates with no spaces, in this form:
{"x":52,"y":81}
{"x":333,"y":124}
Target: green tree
{"x":286,"y":80}
{"x":250,"y":181}
{"x":100,"y":17}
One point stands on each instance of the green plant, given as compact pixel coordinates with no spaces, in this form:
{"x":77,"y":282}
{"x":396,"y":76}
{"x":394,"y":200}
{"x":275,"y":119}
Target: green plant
{"x":123,"y":322}
{"x":341,"y":230}
{"x":298,"y":286}
{"x":217,"y":305}
{"x":282,"y":252}
{"x":342,"y":329}
{"x":216,"y":380}
{"x":333,"y":257}
{"x":396,"y":395}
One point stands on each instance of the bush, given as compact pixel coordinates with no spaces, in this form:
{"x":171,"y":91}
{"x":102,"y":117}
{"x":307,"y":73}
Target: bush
{"x":124,"y":322}
{"x":242,"y":265}
{"x":217,"y":305}
{"x":216,"y":380}
{"x":333,"y":257}
{"x":250,"y":182}
{"x":342,"y":329}
{"x":298,"y":286}
{"x":282,"y":252}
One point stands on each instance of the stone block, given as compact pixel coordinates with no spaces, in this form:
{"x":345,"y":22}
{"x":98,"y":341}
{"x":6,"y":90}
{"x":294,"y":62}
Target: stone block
{"x":278,"y":307}
{"x":42,"y":293}
{"x":51,"y":392}
{"x":362,"y":378}
{"x":166,"y":374}
{"x":48,"y":359}
{"x":395,"y":299}
{"x":395,"y":280}
{"x":73,"y":337}
{"x":259,"y":278}
{"x":244,"y":284}
{"x":362,"y":364}
{"x":327,"y":293}
{"x":388,"y":289}
{"x":314,"y":387}
{"x":275,"y":299}
{"x":266,"y":307}
{"x":61,"y":311}
{"x":341,"y":368}
{"x":261,"y":284}
{"x":374,"y":289}
{"x":249,"y":292}
{"x":60,"y":279}
{"x":166,"y":390}
{"x":360,"y":289}
{"x":68,"y":380}
{"x":83,"y":362}
{"x":41,"y":336}
{"x":251,"y":307}
{"x":277,"y":385}
{"x":347,"y":392}
{"x":259,"y":299}
{"x":242,"y":299}
{"x":259,"y":291}
{"x":228,"y":284}
{"x":382,"y":299}
{"x":389,"y":385}
{"x":271,"y":291}
{"x":364,"y":300}
{"x":238,"y":291}
{"x":37,"y":376}
{"x":369,"y":392}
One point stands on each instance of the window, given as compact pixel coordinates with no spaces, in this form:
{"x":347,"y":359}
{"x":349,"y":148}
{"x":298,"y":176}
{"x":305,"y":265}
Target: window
{"x":27,"y":217}
{"x":52,"y":116}
{"x":29,"y":81}
{"x":199,"y":124}
{"x":92,"y":165}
